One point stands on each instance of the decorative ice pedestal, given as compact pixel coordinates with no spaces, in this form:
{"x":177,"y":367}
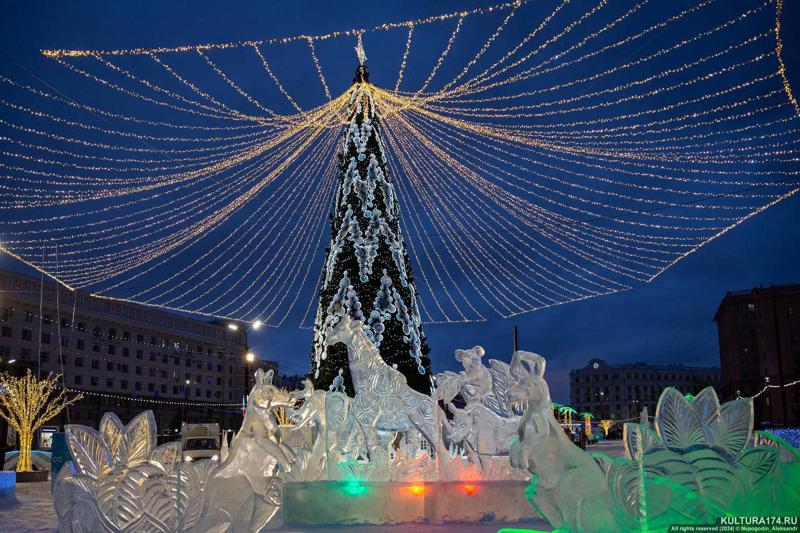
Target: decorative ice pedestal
{"x":375,"y":502}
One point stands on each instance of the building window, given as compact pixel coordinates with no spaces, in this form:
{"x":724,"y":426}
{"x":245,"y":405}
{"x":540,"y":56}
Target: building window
{"x":163,"y":389}
{"x":126,"y":335}
{"x":208,"y":393}
{"x":6,"y":331}
{"x":140,"y":338}
{"x":139,"y":354}
{"x":95,"y":364}
{"x":95,"y":347}
{"x":151,"y":372}
{"x":25,"y":353}
{"x":109,"y":366}
{"x":80,"y":344}
{"x":123,"y":384}
{"x":137,"y":385}
{"x":153,"y":341}
{"x":93,"y":382}
{"x":112,"y":349}
{"x":79,"y":361}
{"x":152,"y":356}
{"x":188,"y":363}
{"x":112,"y":333}
{"x":138,"y":371}
{"x":97,"y":331}
{"x":151,"y":387}
{"x":81,"y":326}
{"x":65,"y":342}
{"x":47,"y":319}
{"x":44,"y":356}
{"x":76,"y":379}
{"x":28,"y":316}
{"x":110,"y":383}
{"x":27,"y":334}
{"x":8,"y":312}
{"x":126,"y":352}
{"x":64,"y":322}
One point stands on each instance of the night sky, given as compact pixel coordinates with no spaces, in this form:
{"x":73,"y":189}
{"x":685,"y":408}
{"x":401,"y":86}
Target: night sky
{"x":667,"y":321}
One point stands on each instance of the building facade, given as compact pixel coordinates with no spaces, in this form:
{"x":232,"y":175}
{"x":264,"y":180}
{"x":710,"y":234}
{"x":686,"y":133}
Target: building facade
{"x":759,"y":345}
{"x":620,"y":392}
{"x":123,"y":357}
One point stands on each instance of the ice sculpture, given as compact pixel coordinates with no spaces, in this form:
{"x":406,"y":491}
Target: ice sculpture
{"x":120,"y":481}
{"x":697,"y":462}
{"x":487,"y":424}
{"x":383,"y":402}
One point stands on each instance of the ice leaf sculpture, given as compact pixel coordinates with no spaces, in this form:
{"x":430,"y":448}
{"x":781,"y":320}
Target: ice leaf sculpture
{"x":138,"y":440}
{"x":677,"y":422}
{"x":88,"y":450}
{"x":112,"y":429}
{"x":497,"y":401}
{"x":734,"y":427}
{"x":703,"y":472}
{"x":759,"y":462}
{"x":191,"y":489}
{"x":447,"y":386}
{"x":167,"y":455}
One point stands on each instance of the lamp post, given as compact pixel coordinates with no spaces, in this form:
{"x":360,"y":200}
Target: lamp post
{"x":768,"y":396}
{"x":602,"y":411}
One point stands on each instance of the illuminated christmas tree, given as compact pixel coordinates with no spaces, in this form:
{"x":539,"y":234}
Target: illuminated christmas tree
{"x":27,"y":403}
{"x":366,"y":271}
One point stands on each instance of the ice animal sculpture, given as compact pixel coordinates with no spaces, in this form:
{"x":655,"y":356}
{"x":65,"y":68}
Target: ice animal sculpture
{"x":697,"y":462}
{"x":487,"y":424}
{"x":120,"y":481}
{"x":383,"y":402}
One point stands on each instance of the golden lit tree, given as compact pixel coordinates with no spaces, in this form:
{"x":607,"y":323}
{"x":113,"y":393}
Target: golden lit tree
{"x":606,"y":425}
{"x":26,"y":403}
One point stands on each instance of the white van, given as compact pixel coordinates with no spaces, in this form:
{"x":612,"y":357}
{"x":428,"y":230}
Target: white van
{"x":200,"y":441}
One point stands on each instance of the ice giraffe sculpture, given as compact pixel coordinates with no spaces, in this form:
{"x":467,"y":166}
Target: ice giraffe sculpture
{"x":383,"y":400}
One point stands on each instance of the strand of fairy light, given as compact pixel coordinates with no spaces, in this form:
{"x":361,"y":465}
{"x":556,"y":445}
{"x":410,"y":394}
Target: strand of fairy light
{"x":516,"y":204}
{"x":309,"y":162}
{"x":630,"y":64}
{"x":608,"y":206}
{"x":176,"y":96}
{"x":157,"y":247}
{"x":405,"y":57}
{"x":543,"y":224}
{"x":234,"y":86}
{"x":284,"y":40}
{"x":497,"y":148}
{"x":144,"y":98}
{"x":529,"y":72}
{"x":415,"y":215}
{"x":178,"y":215}
{"x":223,"y":214}
{"x":605,"y":180}
{"x":213,"y":252}
{"x":203,"y":94}
{"x":487,"y":213}
{"x":128,"y":118}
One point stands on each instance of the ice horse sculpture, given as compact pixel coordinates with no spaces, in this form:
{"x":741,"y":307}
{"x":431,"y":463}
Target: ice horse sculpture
{"x":383,"y":402}
{"x":697,"y":462}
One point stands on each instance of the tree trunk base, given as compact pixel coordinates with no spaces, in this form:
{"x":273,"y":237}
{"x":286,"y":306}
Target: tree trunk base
{"x":32,"y":477}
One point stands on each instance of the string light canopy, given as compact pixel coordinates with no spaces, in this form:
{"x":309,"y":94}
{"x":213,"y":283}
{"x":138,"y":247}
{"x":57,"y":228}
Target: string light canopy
{"x":541,"y":153}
